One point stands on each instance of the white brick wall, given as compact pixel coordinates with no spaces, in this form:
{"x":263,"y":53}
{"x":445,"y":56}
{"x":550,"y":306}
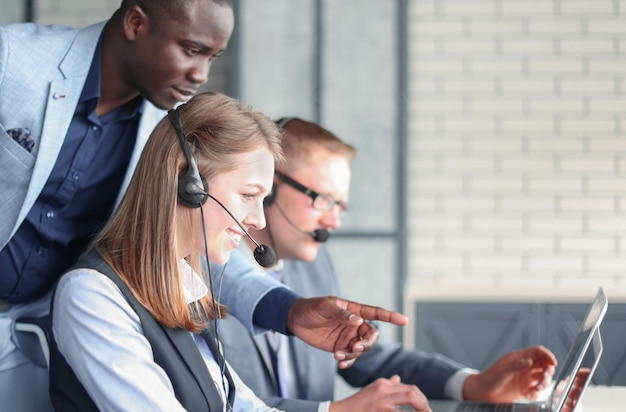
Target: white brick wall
{"x":517,"y":142}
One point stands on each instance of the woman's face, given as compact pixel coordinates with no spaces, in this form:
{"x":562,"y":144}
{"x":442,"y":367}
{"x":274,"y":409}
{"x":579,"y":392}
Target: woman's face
{"x":241,"y":191}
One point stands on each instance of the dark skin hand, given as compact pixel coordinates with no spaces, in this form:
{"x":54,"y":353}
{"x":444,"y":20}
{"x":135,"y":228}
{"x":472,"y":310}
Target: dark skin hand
{"x":338,"y":325}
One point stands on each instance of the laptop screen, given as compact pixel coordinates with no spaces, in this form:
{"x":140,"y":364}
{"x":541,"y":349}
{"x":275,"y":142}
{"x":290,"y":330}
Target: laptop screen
{"x":585,"y":350}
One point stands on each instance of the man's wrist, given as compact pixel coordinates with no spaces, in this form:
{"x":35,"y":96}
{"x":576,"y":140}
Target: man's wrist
{"x":456,"y":383}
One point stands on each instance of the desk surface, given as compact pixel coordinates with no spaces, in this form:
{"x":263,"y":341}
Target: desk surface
{"x":595,"y":399}
{"x":604,"y":399}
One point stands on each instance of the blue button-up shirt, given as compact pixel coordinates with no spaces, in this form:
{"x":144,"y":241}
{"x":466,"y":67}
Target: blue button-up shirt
{"x":78,"y":197}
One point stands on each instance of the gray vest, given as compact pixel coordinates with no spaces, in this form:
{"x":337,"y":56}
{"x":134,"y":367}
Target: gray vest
{"x":174,"y":350}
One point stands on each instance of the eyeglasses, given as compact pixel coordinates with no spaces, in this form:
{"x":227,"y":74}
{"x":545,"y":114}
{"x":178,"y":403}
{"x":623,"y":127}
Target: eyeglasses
{"x":320,"y":201}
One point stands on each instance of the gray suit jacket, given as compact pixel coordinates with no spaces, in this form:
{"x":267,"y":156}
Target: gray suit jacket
{"x":315,"y":369}
{"x":41,"y":93}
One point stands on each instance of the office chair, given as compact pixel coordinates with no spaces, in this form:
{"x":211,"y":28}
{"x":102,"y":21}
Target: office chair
{"x":36,"y":331}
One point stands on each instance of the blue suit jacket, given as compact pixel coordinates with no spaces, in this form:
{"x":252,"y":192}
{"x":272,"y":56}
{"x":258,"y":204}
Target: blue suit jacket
{"x":316,"y":369}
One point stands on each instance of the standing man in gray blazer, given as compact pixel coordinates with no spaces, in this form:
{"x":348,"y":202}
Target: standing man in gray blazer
{"x":310,"y":194}
{"x":76,"y":108}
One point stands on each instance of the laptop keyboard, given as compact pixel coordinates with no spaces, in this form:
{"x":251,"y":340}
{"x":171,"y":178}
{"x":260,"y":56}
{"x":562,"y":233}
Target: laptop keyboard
{"x":494,"y":407}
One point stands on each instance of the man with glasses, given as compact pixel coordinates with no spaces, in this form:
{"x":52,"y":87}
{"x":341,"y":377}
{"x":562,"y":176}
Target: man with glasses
{"x":319,"y":201}
{"x":310,"y":195}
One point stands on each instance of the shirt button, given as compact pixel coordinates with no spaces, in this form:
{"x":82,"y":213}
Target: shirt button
{"x":95,"y":128}
{"x":50,"y":214}
{"x":76,"y":176}
{"x":41,"y":250}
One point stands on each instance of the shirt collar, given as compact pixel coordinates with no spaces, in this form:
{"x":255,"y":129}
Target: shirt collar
{"x":278,"y":267}
{"x":91,"y":89}
{"x":194,"y":287}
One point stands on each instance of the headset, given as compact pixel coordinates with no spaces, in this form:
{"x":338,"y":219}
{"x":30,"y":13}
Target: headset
{"x":269,"y":199}
{"x":193,"y":190}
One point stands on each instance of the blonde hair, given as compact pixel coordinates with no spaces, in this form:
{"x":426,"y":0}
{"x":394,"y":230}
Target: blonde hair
{"x":300,"y":137}
{"x":139,"y":242}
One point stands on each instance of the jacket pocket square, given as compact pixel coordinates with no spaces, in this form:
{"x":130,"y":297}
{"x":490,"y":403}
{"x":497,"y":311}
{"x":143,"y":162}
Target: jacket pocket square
{"x":23,"y":137}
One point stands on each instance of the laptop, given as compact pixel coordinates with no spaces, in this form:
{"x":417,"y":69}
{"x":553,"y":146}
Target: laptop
{"x":583,"y":356}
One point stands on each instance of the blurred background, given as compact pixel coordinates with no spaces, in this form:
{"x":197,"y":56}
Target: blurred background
{"x":488,"y":199}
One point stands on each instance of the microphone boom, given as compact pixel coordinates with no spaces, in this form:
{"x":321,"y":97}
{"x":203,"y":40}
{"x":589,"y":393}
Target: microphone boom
{"x":319,"y":235}
{"x":263,"y":254}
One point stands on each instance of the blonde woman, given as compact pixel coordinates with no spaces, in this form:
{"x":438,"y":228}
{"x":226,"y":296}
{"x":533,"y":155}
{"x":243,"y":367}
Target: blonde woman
{"x":134,"y":320}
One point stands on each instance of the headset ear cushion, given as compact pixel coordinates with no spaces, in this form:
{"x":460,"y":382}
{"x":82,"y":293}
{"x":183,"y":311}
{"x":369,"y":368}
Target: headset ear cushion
{"x":269,"y":199}
{"x":190,"y":193}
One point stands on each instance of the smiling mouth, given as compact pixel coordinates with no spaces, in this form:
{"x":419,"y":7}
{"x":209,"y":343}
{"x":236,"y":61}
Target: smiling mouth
{"x":234,"y":235}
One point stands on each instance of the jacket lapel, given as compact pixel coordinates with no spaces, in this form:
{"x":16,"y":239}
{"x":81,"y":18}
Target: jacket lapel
{"x":260,"y":341}
{"x":63,"y":96}
{"x":149,"y":119}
